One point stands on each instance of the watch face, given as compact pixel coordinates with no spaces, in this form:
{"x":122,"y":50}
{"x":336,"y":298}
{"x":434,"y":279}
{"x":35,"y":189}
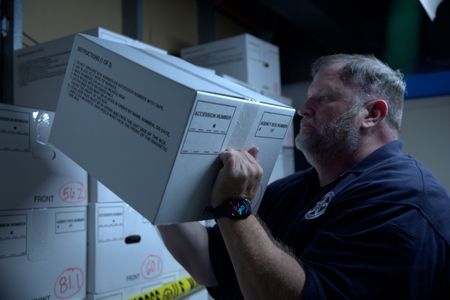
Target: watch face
{"x":239,"y":208}
{"x":236,"y":208}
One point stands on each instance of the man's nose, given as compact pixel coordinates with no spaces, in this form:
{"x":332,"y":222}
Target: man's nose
{"x":305,"y":109}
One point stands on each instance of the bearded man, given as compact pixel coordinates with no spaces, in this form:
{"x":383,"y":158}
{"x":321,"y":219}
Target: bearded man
{"x":365,"y":222}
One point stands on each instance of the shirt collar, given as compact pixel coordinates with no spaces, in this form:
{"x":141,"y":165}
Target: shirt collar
{"x":394,"y":148}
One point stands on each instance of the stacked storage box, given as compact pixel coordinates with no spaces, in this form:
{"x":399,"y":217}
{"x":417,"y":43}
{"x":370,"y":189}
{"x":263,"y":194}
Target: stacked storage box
{"x":244,"y":57}
{"x":39,"y":70}
{"x":126,"y":255}
{"x":42,"y":211}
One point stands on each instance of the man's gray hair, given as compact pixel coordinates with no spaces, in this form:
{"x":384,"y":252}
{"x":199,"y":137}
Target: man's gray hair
{"x":374,"y":78}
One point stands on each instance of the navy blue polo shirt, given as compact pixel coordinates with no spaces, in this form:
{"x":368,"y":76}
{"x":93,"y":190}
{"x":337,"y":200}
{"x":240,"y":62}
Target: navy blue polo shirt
{"x":380,"y":231}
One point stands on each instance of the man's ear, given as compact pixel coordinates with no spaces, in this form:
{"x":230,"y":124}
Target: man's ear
{"x":377,"y":110}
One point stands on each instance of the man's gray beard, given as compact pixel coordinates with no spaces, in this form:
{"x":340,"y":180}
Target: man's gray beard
{"x":332,"y":141}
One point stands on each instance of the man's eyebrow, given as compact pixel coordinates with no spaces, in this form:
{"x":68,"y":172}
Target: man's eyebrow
{"x":325,"y":91}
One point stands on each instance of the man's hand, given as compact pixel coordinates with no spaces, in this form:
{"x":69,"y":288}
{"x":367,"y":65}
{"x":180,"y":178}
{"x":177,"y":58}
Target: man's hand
{"x":240,"y":176}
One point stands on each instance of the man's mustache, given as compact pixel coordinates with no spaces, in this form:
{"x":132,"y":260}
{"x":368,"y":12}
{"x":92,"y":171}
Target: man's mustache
{"x":306,"y":122}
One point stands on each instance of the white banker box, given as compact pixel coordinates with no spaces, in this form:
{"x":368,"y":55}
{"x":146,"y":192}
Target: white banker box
{"x":35,"y":174}
{"x":43,"y":253}
{"x":99,"y":193}
{"x":39,"y":70}
{"x":244,"y":57}
{"x":151,"y":129}
{"x":125,"y":250}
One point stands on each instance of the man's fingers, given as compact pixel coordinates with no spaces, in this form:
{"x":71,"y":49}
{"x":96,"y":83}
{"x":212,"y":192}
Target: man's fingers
{"x":242,"y":163}
{"x":254,"y":151}
{"x":240,"y":175}
{"x":227,"y":158}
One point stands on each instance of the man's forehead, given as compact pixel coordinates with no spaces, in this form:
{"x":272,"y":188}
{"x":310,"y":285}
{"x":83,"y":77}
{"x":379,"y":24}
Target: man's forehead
{"x":327,"y":80}
{"x":325,"y":86}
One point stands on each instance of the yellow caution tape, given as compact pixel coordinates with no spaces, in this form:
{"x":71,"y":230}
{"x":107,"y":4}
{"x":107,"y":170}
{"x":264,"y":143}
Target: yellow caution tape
{"x":170,"y":291}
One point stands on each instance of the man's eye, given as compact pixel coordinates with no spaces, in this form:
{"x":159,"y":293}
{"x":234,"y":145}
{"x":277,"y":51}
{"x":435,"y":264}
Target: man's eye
{"x":324,"y":99}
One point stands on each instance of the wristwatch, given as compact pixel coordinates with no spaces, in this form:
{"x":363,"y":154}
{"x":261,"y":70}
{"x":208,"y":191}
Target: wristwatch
{"x":235,"y":208}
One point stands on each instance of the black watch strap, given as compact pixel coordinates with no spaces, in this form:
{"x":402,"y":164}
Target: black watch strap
{"x":235,"y":208}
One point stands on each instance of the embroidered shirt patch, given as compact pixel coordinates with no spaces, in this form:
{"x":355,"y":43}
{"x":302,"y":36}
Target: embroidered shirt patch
{"x":320,"y":206}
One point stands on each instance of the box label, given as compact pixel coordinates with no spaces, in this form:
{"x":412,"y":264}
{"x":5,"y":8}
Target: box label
{"x":152,"y":266}
{"x":42,"y":67}
{"x":73,"y":192}
{"x":109,"y":96}
{"x":14,"y":131}
{"x":110,"y":223}
{"x":70,"y":222}
{"x":208,"y":128}
{"x":13,"y":235}
{"x":273,"y":125}
{"x":69,"y":283}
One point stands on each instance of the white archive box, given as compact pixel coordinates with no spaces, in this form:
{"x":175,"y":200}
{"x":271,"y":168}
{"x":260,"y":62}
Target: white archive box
{"x":125,"y":249}
{"x":152,"y":130}
{"x":99,"y":193}
{"x":43,"y":253}
{"x":39,"y":70}
{"x":34,"y":173}
{"x":285,"y":164}
{"x":244,"y":57}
